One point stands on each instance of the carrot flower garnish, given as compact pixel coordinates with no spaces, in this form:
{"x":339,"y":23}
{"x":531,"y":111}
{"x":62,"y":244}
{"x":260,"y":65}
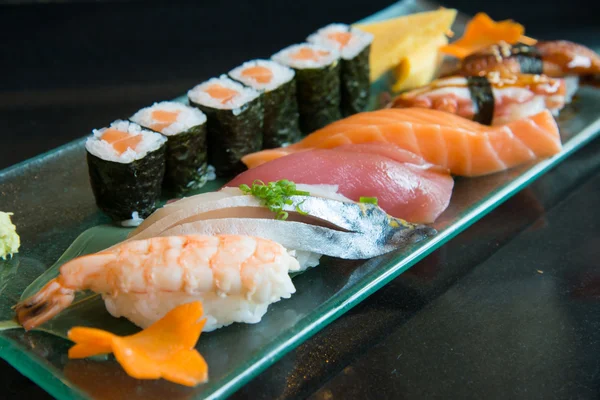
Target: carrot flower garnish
{"x":163,"y":350}
{"x":482,"y":32}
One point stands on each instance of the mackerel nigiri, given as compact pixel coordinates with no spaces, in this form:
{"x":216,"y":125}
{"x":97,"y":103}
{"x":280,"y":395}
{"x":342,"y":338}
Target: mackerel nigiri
{"x":319,"y":221}
{"x":465,"y":147}
{"x":405,"y":185}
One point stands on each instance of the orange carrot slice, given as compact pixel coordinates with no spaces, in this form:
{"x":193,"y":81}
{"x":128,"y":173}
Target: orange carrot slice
{"x":341,"y":37}
{"x":163,"y":119}
{"x":163,"y":350}
{"x":121,"y":141}
{"x":482,"y":32}
{"x":259,"y":74}
{"x":222,"y":93}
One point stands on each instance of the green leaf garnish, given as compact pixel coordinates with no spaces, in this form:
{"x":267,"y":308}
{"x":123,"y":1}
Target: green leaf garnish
{"x":368,"y":200}
{"x":275,"y":195}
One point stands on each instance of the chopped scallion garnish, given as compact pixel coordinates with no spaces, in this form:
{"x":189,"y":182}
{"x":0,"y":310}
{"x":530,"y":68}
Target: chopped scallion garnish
{"x":275,"y":195}
{"x":368,"y":200}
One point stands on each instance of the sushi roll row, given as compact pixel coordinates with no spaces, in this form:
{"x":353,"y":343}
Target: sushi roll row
{"x":260,"y":104}
{"x":332,"y":74}
{"x":265,"y":104}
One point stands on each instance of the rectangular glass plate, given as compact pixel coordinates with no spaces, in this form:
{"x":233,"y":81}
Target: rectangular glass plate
{"x":53,"y":204}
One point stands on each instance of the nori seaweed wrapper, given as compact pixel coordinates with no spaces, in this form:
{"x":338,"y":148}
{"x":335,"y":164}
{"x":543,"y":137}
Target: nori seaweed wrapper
{"x":356,"y":86}
{"x":281,"y":121}
{"x":483,"y":99}
{"x":529,"y":58}
{"x":230,"y":136}
{"x":121,"y":189}
{"x":319,"y":98}
{"x":186,"y":160}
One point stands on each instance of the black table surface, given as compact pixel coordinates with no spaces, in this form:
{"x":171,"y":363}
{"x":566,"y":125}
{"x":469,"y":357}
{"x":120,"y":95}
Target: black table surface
{"x":508,"y":309}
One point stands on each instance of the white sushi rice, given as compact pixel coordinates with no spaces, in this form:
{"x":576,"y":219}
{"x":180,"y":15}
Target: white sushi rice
{"x":281,"y":74}
{"x":306,"y":259}
{"x":187,"y":118}
{"x":357,"y":43}
{"x":245,"y":95}
{"x":150,"y":142}
{"x":572,"y":84}
{"x":134,"y":221}
{"x":285,"y":56}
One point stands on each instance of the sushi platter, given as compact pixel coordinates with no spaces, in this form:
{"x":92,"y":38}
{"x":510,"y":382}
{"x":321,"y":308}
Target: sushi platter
{"x":182,"y":250}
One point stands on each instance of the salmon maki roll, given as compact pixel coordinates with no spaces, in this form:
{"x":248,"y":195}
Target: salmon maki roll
{"x":317,"y":82}
{"x":354,"y":47}
{"x":277,"y":83}
{"x":126,"y":166}
{"x":235,"y":122}
{"x":462,"y":146}
{"x":186,"y":153}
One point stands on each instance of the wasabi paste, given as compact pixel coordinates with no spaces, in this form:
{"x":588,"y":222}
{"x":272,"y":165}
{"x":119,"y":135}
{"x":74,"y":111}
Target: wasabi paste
{"x":9,"y":239}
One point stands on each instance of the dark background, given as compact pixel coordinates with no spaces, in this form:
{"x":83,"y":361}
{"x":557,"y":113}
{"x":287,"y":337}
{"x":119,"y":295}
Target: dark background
{"x":69,"y":67}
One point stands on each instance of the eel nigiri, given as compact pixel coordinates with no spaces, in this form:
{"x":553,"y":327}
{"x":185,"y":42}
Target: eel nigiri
{"x":319,"y":222}
{"x":489,"y":99}
{"x":464,"y":147}
{"x":406,"y":186}
{"x":557,"y":58}
{"x":235,"y":278}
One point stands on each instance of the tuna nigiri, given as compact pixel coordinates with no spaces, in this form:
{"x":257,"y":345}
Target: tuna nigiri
{"x":465,"y":147}
{"x":490,"y":99}
{"x":235,"y":277}
{"x":405,"y":185}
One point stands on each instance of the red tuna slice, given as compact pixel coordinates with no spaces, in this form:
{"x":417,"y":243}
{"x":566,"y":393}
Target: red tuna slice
{"x":405,"y":185}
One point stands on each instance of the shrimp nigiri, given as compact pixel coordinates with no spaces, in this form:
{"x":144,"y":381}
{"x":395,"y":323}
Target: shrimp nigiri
{"x":235,"y":278}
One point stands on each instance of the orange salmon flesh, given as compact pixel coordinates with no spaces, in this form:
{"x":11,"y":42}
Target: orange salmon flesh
{"x":222,"y":93}
{"x":306,"y":53}
{"x":341,"y":37}
{"x":259,"y":74}
{"x":121,"y":141}
{"x":163,"y":119}
{"x":463,"y":146}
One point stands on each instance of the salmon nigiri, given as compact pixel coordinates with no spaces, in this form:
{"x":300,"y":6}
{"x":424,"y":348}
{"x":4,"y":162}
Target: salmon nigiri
{"x":464,"y":147}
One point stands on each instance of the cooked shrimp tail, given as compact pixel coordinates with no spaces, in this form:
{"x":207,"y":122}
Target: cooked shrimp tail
{"x":44,"y":305}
